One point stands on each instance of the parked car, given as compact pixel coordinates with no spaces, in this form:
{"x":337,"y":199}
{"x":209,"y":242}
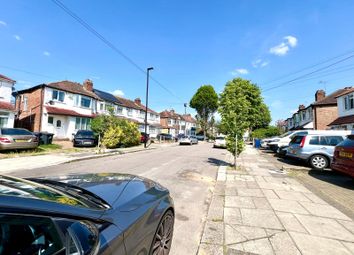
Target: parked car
{"x":283,"y":140}
{"x":220,"y":142}
{"x":194,"y":139}
{"x":85,"y":214}
{"x":188,"y":140}
{"x":85,"y":138}
{"x":343,"y":158}
{"x":144,"y":137}
{"x":17,"y":138}
{"x":316,"y":149}
{"x":164,"y":137}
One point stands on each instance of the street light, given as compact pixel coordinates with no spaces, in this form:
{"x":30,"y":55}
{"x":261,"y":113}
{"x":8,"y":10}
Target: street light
{"x":146,"y":102}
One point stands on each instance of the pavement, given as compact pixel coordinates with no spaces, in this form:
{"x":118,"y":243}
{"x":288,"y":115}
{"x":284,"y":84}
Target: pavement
{"x":189,"y":172}
{"x":259,"y":209}
{"x":39,"y":161}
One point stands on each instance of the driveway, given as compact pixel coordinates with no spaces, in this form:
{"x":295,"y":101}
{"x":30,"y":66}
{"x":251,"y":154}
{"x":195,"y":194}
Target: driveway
{"x":189,"y":172}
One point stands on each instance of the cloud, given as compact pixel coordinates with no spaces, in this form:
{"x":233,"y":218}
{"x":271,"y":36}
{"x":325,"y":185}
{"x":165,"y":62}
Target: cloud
{"x":259,"y":63}
{"x":17,"y":37}
{"x":3,"y":23}
{"x":117,"y":92}
{"x":283,"y":48}
{"x":240,"y":71}
{"x":46,"y":53}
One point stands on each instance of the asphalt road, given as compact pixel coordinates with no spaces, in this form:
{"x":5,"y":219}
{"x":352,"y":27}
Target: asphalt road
{"x":189,"y":172}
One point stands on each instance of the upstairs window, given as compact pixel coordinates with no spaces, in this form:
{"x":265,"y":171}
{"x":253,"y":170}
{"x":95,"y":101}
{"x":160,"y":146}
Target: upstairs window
{"x":85,"y":102}
{"x":130,"y":111}
{"x":58,"y":95}
{"x":349,"y":102}
{"x":120,"y":110}
{"x":25,"y":103}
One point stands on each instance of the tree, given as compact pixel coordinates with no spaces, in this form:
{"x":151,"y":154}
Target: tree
{"x":205,"y":102}
{"x":241,"y":107}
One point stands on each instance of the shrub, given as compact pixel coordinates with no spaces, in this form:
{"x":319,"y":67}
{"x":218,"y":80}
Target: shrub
{"x":265,"y":132}
{"x":112,"y":136}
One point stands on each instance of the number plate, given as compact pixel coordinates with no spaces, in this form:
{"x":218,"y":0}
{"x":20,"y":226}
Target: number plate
{"x":344,"y":154}
{"x":87,"y":142}
{"x":21,"y":140}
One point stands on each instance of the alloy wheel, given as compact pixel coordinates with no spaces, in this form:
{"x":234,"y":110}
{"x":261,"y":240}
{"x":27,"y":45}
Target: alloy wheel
{"x":163,"y":237}
{"x":319,"y":162}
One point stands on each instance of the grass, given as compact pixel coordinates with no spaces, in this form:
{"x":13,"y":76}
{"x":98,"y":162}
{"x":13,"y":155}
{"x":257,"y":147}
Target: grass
{"x":233,"y":168}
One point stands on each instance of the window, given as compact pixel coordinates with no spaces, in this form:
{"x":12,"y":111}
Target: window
{"x":39,"y":235}
{"x":152,"y":130}
{"x":119,"y":109}
{"x":349,"y":102}
{"x":4,"y":116}
{"x":58,"y":95}
{"x":76,"y":100}
{"x":85,"y":102}
{"x":130,"y":111}
{"x":50,"y":120}
{"x":330,"y":140}
{"x":25,"y":103}
{"x":152,"y":116}
{"x":315,"y":140}
{"x":83,"y":123}
{"x":142,"y":113}
{"x":101,"y":106}
{"x":58,"y":123}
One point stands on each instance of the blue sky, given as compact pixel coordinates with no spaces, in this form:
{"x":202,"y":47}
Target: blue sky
{"x":189,"y":43}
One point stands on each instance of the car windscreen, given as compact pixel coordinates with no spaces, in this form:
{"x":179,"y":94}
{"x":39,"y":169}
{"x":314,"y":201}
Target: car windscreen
{"x":15,"y":131}
{"x":18,"y":187}
{"x":84,"y":133}
{"x":286,"y":134}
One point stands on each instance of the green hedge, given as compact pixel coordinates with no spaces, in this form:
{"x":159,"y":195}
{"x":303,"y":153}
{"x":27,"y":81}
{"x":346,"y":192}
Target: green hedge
{"x":265,"y":132}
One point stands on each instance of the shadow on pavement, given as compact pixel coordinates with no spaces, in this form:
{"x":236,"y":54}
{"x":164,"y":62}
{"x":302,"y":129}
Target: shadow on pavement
{"x":217,"y":162}
{"x":292,"y":162}
{"x":332,"y":177}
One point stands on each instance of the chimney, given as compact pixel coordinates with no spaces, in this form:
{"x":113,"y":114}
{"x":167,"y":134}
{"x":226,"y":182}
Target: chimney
{"x":88,"y":85}
{"x":137,"y":100}
{"x":301,"y":107}
{"x":172,"y":111}
{"x":320,"y":94}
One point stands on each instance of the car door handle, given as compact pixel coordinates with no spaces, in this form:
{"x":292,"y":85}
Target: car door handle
{"x":324,"y":148}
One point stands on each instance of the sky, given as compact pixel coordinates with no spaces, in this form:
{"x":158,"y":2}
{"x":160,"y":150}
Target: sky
{"x":189,"y":43}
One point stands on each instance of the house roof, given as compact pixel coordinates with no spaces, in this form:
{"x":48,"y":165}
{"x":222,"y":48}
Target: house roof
{"x":349,"y":90}
{"x":3,"y":77}
{"x":135,"y":105}
{"x":189,"y":118}
{"x":331,"y":99}
{"x":169,"y":114}
{"x":105,"y":96}
{"x":69,"y":86}
{"x":342,"y":120}
{"x":6,"y":106}
{"x":66,"y":112}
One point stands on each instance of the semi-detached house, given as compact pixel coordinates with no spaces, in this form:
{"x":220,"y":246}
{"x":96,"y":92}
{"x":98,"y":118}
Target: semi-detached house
{"x":64,"y":107}
{"x":345,"y":120}
{"x":7,"y":109}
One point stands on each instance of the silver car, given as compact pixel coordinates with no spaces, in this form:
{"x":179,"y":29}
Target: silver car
{"x":17,"y":138}
{"x":316,"y":149}
{"x":188,"y":140}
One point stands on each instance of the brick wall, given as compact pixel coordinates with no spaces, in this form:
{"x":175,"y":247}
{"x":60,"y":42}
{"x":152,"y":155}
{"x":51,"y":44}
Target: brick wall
{"x":164,"y":122}
{"x":30,"y":118}
{"x":324,"y":116}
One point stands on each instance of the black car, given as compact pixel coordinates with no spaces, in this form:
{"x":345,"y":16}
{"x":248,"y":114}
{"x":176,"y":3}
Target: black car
{"x":85,"y":138}
{"x":85,"y":214}
{"x":164,"y":137}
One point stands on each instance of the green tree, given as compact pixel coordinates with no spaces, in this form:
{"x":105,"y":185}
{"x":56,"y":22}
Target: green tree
{"x":241,"y":107}
{"x":205,"y":102}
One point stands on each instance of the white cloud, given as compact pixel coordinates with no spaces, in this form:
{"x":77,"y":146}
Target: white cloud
{"x":117,"y":92}
{"x":46,"y":53}
{"x":292,"y":41}
{"x":240,"y":71}
{"x":260,"y":63}
{"x":17,"y":37}
{"x":283,"y":48}
{"x":3,"y":23}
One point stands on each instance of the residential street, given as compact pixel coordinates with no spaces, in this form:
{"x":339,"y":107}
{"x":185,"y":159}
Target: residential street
{"x":189,"y":172}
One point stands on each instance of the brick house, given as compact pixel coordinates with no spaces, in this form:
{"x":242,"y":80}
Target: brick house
{"x":60,"y":108}
{"x":7,"y":109}
{"x":345,"y":102}
{"x":173,"y":123}
{"x":318,"y":115}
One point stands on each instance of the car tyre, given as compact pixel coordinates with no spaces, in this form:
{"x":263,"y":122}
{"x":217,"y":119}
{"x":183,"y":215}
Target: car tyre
{"x":319,"y":162}
{"x":161,"y":243}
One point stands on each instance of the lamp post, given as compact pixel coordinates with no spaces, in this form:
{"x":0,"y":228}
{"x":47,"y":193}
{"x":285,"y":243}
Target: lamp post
{"x":146,"y":102}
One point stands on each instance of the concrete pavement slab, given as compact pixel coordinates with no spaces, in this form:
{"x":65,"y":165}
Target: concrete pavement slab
{"x":232,"y":216}
{"x":349,"y":246}
{"x":325,"y":227}
{"x":292,"y":195}
{"x":210,"y":249}
{"x":268,"y":193}
{"x":261,"y":203}
{"x":290,"y":222}
{"x":315,"y":198}
{"x":347,"y":224}
{"x":260,"y":246}
{"x":287,"y":206}
{"x":238,"y":234}
{"x":324,"y":211}
{"x":283,"y":244}
{"x":212,"y":232}
{"x":246,"y":192}
{"x":216,"y":209}
{"x":240,"y":202}
{"x":310,"y":245}
{"x":260,"y":218}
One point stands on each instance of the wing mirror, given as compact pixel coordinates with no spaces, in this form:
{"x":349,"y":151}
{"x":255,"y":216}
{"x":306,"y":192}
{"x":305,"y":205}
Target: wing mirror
{"x":82,"y":238}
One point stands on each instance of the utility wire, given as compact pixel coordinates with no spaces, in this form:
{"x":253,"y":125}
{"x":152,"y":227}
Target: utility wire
{"x":308,"y":67}
{"x":24,"y":71}
{"x":110,"y":44}
{"x":308,"y":74}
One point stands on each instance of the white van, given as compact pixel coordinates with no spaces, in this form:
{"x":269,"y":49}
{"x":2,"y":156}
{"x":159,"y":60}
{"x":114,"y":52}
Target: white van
{"x":283,"y":141}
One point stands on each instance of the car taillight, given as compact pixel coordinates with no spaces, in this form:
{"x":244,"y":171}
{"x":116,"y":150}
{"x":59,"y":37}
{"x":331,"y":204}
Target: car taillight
{"x":4,"y":140}
{"x":302,"y":143}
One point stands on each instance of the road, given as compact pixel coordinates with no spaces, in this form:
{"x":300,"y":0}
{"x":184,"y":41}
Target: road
{"x":189,"y":172}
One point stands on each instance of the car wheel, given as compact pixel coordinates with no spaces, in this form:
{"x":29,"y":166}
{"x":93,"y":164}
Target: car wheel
{"x":319,"y":162}
{"x":161,"y":244}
